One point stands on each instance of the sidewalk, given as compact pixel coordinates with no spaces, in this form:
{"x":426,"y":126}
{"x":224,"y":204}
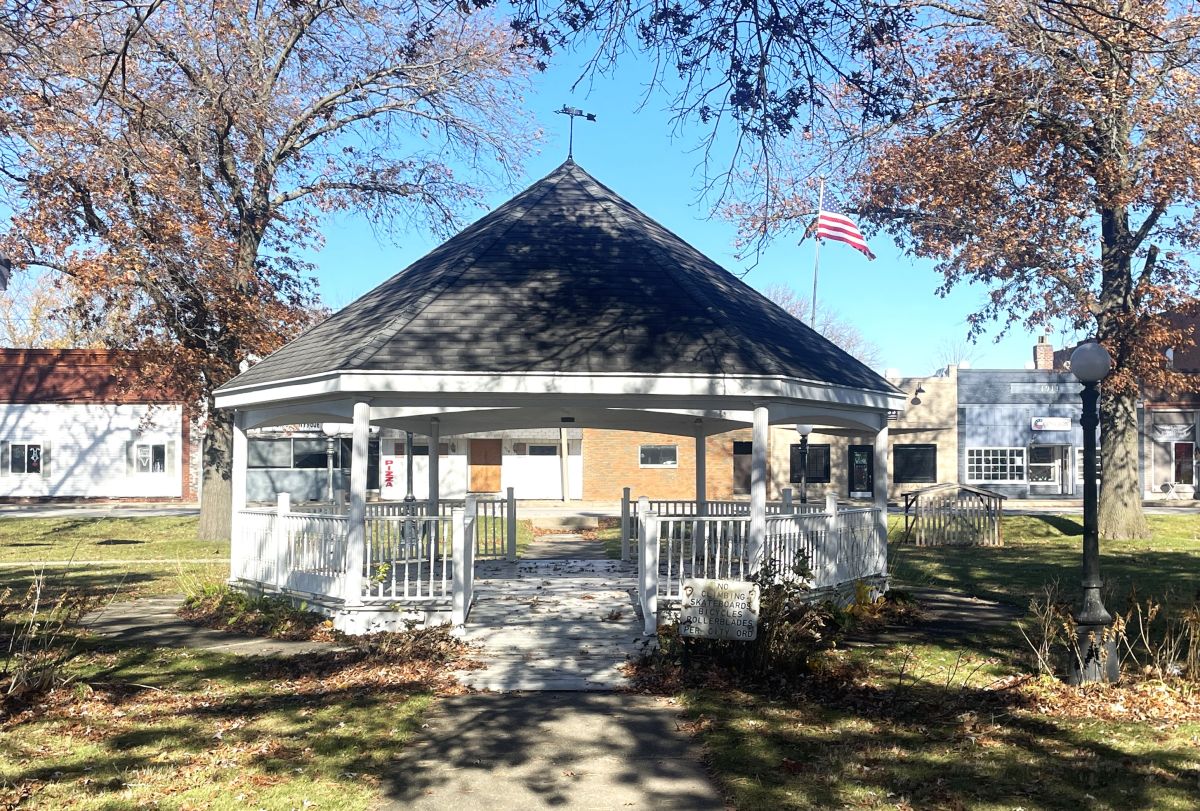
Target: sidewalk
{"x":495,"y":751}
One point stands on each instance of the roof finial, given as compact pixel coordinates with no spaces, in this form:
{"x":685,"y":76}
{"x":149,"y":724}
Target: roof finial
{"x":573,"y":113}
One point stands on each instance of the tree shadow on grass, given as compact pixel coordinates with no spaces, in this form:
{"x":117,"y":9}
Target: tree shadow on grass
{"x":150,"y":702}
{"x":1019,"y":573}
{"x":925,"y":745}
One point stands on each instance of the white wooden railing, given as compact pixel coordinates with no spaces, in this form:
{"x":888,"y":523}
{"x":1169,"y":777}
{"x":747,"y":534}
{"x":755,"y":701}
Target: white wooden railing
{"x":406,"y":560}
{"x":631,"y":507}
{"x":840,"y":547}
{"x":495,"y":519}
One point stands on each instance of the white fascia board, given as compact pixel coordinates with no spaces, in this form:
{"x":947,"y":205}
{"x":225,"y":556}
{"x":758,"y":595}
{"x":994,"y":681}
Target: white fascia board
{"x":502,"y":389}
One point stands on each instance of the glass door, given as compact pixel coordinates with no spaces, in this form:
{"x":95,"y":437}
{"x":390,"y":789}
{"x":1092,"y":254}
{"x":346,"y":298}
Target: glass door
{"x":861,"y":459}
{"x":1185,"y":463}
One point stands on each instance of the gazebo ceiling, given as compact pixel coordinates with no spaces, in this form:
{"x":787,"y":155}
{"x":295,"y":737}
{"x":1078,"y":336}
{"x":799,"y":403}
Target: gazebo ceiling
{"x":565,"y":290}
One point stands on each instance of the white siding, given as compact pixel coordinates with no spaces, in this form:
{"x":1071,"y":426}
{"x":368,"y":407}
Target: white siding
{"x":452,"y":472}
{"x":88,"y":447}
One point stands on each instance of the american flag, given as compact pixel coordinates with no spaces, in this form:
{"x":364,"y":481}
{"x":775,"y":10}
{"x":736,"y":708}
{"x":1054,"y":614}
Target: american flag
{"x":843,"y":229}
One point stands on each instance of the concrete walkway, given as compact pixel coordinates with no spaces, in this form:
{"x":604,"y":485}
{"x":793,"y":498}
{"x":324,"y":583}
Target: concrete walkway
{"x":153,"y":622}
{"x":569,"y":751}
{"x":553,"y":625}
{"x":564,"y":546}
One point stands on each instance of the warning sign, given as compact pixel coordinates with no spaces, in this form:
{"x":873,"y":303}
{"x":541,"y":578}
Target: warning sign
{"x":719,"y":609}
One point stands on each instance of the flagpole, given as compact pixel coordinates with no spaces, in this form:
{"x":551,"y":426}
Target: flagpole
{"x":812,"y":321}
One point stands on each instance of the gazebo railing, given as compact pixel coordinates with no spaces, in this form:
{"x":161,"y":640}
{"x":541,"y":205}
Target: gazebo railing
{"x":630,"y":507}
{"x":495,"y":519}
{"x":841,"y":546}
{"x":408,"y":558}
{"x":405,"y":560}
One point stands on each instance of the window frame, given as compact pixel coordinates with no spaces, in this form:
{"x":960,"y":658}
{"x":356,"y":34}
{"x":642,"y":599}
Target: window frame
{"x":25,"y":446}
{"x":672,"y":465}
{"x":275,"y":442}
{"x":1010,"y":452}
{"x":151,"y":446}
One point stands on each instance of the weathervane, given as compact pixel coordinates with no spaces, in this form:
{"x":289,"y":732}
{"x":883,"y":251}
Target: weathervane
{"x":573,"y":113}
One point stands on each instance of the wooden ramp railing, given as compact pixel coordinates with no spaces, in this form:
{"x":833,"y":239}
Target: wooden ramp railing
{"x":953,"y":514}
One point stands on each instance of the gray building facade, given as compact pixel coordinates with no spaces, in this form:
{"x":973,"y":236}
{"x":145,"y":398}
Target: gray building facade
{"x":1018,"y":432}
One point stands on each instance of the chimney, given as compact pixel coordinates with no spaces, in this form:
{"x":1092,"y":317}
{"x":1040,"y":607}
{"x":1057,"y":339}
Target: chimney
{"x":1043,"y":354}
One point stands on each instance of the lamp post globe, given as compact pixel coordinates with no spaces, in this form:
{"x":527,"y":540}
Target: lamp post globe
{"x":804,"y":430}
{"x":1095,"y":656}
{"x":1090,"y":362}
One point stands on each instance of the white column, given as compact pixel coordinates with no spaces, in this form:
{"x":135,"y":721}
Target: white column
{"x":356,"y":519}
{"x":830,"y":552}
{"x":462,"y":550}
{"x":648,"y":570}
{"x":758,"y":488}
{"x":881,"y":497}
{"x":237,"y":483}
{"x":701,"y":470}
{"x":435,"y":435}
{"x":564,"y":464}
{"x":282,"y":558}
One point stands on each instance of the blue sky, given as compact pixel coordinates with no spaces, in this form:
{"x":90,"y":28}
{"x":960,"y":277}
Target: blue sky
{"x":631,"y":150}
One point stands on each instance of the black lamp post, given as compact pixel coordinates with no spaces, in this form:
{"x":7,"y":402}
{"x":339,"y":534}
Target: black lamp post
{"x":1096,"y":657}
{"x":804,"y":431}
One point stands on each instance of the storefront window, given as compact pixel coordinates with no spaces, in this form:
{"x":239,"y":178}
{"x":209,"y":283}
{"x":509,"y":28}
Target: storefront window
{"x":995,"y":464}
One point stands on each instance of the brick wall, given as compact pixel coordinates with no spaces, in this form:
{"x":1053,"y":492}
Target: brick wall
{"x":612,"y":462}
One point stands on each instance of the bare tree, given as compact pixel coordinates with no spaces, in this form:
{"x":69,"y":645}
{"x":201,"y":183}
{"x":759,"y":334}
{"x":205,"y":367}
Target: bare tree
{"x":829,"y":324}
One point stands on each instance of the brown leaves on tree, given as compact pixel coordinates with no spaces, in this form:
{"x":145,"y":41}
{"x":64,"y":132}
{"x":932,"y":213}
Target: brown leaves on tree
{"x":1052,"y":154}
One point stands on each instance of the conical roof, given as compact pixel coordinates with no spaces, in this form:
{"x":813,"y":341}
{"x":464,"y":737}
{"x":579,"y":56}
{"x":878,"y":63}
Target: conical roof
{"x":566,"y":277}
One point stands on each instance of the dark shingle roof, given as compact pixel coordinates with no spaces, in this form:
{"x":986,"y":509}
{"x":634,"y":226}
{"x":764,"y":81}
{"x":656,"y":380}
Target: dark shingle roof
{"x":565,"y":277}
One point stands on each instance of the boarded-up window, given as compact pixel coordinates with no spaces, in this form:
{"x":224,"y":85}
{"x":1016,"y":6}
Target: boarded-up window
{"x":818,"y":464}
{"x":914,"y":464}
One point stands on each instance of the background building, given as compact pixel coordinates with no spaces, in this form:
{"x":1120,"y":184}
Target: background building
{"x":70,"y":428}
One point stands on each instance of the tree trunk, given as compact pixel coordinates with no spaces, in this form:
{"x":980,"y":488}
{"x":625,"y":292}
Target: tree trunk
{"x":1121,"y":515}
{"x":216,"y":505}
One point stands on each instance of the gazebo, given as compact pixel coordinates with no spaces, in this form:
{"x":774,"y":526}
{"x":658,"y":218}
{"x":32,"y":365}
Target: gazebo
{"x":565,"y":305}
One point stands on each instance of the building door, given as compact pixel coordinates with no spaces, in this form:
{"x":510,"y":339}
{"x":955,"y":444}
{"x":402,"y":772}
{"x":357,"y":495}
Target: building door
{"x":861,"y":474}
{"x":743,"y":454}
{"x":1185,"y":463}
{"x":483,"y":456}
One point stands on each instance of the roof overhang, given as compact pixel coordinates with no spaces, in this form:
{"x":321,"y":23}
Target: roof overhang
{"x":465,"y":402}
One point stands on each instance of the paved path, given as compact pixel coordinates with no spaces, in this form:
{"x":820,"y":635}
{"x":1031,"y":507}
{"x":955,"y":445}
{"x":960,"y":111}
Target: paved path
{"x":564,"y":546}
{"x":152,"y":622}
{"x":553,"y":625}
{"x":566,"y":751}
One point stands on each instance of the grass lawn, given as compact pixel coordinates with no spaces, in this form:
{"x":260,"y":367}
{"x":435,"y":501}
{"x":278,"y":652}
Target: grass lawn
{"x":126,"y":539}
{"x":1040,"y":549}
{"x":118,"y":557}
{"x":954,"y":724}
{"x":179,"y":729}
